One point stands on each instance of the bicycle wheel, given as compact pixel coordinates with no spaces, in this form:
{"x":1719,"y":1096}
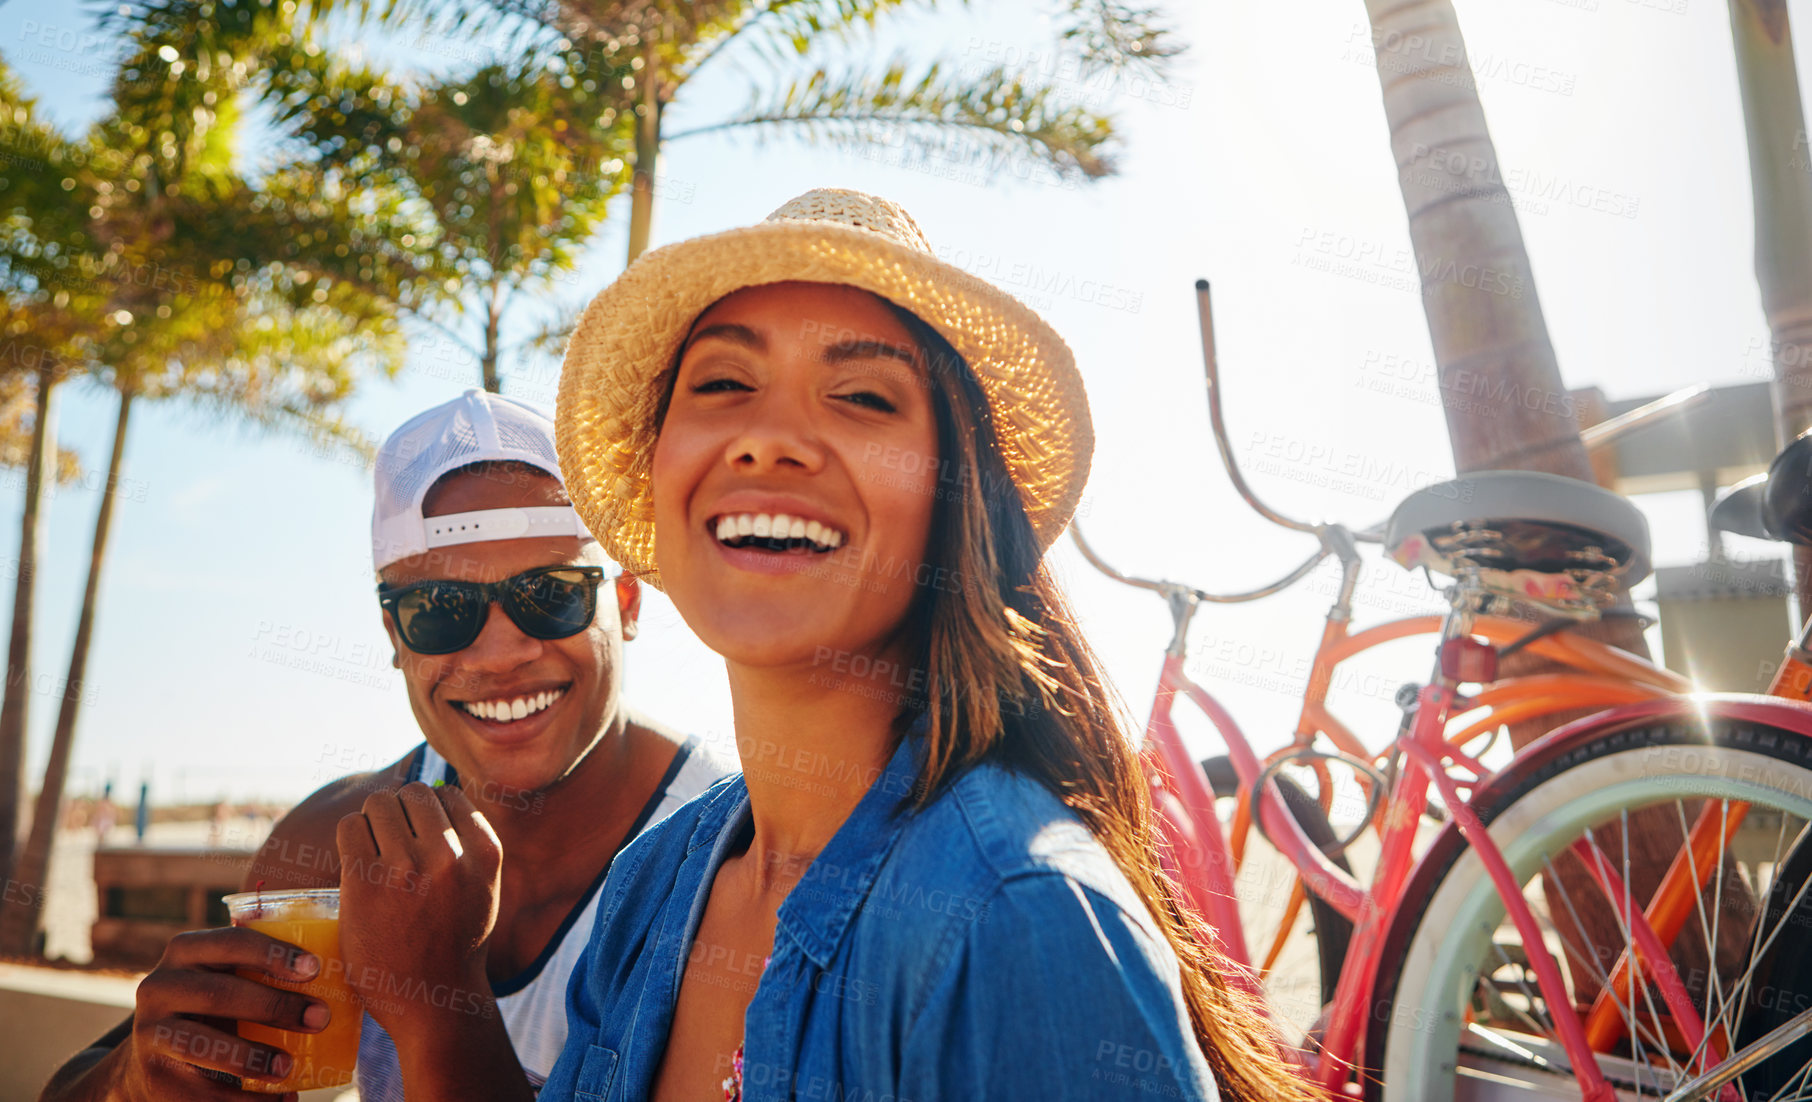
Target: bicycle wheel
{"x":1788,"y":965}
{"x":1456,"y":1012}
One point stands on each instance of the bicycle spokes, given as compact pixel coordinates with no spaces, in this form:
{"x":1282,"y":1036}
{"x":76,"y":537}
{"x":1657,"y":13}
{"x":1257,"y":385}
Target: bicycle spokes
{"x":1731,"y":971}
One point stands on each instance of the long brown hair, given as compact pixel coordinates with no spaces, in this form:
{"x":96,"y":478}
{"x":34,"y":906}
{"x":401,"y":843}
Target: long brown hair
{"x":1012,"y":680}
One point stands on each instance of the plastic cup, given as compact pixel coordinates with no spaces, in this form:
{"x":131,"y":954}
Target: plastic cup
{"x":309,"y":919}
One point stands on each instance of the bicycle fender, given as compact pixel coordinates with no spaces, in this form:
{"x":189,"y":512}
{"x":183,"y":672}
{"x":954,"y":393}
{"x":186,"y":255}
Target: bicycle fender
{"x":1772,"y":711}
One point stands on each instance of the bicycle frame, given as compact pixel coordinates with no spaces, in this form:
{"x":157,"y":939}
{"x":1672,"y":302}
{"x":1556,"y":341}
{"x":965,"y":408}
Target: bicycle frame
{"x":1604,"y":677}
{"x":1607,"y":677}
{"x":1627,"y":688}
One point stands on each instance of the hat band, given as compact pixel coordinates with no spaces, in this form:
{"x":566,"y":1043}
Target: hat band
{"x":404,"y":536}
{"x":503,"y":524}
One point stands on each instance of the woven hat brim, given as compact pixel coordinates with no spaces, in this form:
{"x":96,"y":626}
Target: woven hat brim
{"x":604,"y":423}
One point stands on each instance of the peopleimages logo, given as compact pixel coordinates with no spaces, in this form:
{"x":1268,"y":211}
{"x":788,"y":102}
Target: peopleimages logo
{"x":1042,"y":285}
{"x":1532,"y":188}
{"x":1399,"y":52}
{"x":1396,"y":267}
{"x":1319,"y":463}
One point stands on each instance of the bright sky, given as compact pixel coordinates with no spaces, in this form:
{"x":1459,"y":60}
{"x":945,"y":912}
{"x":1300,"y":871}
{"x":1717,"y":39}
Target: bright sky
{"x":239,"y":652}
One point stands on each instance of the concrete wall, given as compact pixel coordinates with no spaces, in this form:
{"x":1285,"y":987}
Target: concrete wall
{"x":47,"y":1018}
{"x":48,"y":1015}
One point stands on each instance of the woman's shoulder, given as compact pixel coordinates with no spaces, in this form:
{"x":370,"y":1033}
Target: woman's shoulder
{"x":1021,"y":827}
{"x":1007,"y":889}
{"x":994,"y":827}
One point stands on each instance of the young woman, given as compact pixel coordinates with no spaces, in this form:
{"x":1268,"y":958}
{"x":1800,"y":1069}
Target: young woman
{"x":843,"y":460}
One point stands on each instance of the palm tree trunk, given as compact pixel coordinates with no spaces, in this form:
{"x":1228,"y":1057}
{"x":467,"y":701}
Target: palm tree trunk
{"x":1779,"y":156}
{"x":18,"y":652}
{"x":647,"y":155}
{"x":19,"y":923}
{"x":1477,"y":286}
{"x":493,"y":309}
{"x":492,"y":381}
{"x":1511,"y":410}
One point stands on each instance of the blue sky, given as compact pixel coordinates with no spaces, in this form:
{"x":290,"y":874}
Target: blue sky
{"x":239,"y":654}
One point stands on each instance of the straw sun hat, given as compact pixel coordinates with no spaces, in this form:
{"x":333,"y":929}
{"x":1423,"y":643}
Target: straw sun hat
{"x":630,"y":336}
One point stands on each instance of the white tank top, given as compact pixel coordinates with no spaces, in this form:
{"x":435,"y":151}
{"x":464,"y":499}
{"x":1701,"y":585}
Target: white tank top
{"x":533,"y":1002}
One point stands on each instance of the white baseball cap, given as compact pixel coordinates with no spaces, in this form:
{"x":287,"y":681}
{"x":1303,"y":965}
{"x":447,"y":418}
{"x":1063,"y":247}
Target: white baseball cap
{"x":475,"y":427}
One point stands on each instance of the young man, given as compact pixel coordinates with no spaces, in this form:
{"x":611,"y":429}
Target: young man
{"x":510,"y":638}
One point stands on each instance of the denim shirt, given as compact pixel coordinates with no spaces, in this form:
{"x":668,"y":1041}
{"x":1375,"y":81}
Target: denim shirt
{"x":985,"y":946}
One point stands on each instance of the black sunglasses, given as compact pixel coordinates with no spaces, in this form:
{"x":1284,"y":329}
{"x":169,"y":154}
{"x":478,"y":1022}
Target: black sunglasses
{"x":440,"y":617}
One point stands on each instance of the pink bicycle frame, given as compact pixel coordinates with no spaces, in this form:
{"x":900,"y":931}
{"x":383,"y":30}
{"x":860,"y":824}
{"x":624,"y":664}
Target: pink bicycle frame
{"x":1203,"y":865}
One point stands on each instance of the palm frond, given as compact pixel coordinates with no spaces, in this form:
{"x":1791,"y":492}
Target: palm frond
{"x":18,"y":414}
{"x":517,"y":24}
{"x":551,"y":335}
{"x":996,"y":114}
{"x":285,"y":370}
{"x":794,"y":26}
{"x":326,"y":435}
{"x":46,"y":190}
{"x":1116,"y":35}
{"x":223,"y":26}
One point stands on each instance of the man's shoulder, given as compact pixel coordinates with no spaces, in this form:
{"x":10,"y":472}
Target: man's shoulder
{"x":302,"y":850}
{"x":697,"y":766}
{"x":650,"y":863}
{"x":698,"y":819}
{"x":692,"y":765}
{"x":697,"y":760}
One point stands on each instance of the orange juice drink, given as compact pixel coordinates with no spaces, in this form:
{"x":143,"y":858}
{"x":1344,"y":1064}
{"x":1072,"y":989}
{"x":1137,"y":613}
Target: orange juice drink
{"x":309,"y":919}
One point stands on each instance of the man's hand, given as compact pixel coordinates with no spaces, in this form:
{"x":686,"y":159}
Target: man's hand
{"x":184,"y":1019}
{"x":419,"y":885}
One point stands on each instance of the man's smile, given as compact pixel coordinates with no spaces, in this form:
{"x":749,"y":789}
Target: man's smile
{"x":509,"y":709}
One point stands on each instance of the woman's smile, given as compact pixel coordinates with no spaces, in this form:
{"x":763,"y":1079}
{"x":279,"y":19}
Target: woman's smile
{"x":766,"y":543}
{"x":778,"y":532}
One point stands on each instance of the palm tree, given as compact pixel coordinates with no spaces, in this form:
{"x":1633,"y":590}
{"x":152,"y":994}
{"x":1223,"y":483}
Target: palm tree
{"x":1477,"y":286}
{"x":232,"y":352}
{"x":455,"y":200}
{"x":506,"y":172}
{"x":27,"y":436}
{"x":467,"y":197}
{"x":218,"y":318}
{"x":1779,"y":160}
{"x":928,"y":105}
{"x":43,"y":305}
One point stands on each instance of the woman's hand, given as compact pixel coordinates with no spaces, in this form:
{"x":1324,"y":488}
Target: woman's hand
{"x":419,"y":884}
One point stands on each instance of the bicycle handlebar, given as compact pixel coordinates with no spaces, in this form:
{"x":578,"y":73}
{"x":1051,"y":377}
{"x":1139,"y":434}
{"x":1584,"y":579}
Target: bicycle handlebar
{"x":1205,"y":311}
{"x":1593,"y":438}
{"x":1211,"y":366}
{"x":1167,"y":588}
{"x":1100,"y":564}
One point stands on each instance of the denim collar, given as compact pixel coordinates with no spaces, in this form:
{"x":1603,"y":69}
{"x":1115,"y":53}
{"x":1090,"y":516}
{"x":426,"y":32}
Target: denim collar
{"x":820,"y":907}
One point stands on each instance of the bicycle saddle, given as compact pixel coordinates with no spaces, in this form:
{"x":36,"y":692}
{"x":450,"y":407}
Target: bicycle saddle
{"x":1739,"y":509}
{"x":1553,"y":540}
{"x":1787,"y":493}
{"x":1772,"y":506}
